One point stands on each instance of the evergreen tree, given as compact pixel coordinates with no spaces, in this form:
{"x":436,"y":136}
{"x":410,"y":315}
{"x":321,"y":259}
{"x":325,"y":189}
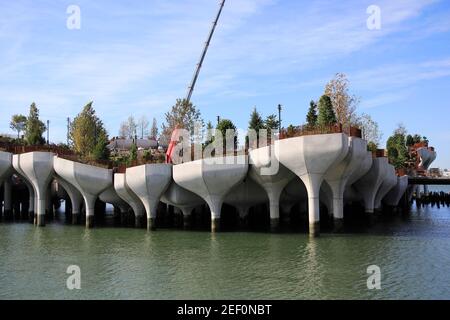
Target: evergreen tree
{"x":225,"y":125}
{"x":397,"y":149}
{"x":154,"y":130}
{"x":87,"y":133}
{"x":311,"y":117}
{"x":35,"y":128}
{"x":256,"y":122}
{"x":101,"y":152}
{"x":209,"y":133}
{"x":272,"y":122}
{"x":133,"y":152}
{"x":326,"y":113}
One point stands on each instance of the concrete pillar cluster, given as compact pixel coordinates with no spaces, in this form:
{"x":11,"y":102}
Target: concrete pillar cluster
{"x":306,"y":172}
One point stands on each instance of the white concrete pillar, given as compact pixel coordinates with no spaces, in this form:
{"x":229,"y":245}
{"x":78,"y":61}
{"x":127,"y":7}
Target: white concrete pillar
{"x":274,"y":205}
{"x":212,"y":179}
{"x":215,"y":206}
{"x":187,"y":212}
{"x":89,"y":201}
{"x":7,"y":198}
{"x":313,"y":183}
{"x":149,"y":182}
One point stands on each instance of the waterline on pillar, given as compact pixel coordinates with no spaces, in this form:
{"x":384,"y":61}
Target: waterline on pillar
{"x":215,"y":225}
{"x":314,"y":229}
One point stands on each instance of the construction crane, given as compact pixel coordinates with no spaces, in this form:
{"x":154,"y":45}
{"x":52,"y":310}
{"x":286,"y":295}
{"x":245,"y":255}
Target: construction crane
{"x":202,"y":57}
{"x":173,"y":141}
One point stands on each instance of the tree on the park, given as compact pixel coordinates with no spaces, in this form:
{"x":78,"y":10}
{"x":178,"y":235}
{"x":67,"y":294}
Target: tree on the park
{"x":183,"y":115}
{"x":326,"y":113}
{"x":209,"y":133}
{"x":272,"y":122}
{"x":396,"y":147}
{"x":370,"y":131}
{"x":133,"y":152}
{"x":154,"y":130}
{"x":225,"y":125}
{"x":87,"y":133}
{"x":344,"y":104}
{"x":101,"y":152}
{"x":311,"y":117}
{"x":18,"y":123}
{"x":34,"y":128}
{"x":142,"y":127}
{"x":256,"y":122}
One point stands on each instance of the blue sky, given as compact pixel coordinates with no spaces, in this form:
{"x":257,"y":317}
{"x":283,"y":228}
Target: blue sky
{"x":137,"y":57}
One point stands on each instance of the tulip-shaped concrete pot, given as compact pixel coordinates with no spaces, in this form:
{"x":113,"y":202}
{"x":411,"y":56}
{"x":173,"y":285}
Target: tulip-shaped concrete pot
{"x":149,"y":182}
{"x":370,"y":183}
{"x":38,"y":169}
{"x":338,"y":176}
{"x":244,"y":196}
{"x":269,"y":173}
{"x":310,"y":158}
{"x":90,"y":181}
{"x":212,"y":179}
{"x":183,"y":199}
{"x":110,"y":196}
{"x":426,"y":157}
{"x":76,"y":199}
{"x":389,"y":182}
{"x":125,"y":192}
{"x":394,"y":196}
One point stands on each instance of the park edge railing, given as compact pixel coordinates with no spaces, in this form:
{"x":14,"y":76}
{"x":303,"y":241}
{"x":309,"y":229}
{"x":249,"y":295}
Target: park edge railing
{"x":307,"y":130}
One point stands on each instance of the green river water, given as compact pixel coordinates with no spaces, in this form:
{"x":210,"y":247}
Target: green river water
{"x":412,"y":251}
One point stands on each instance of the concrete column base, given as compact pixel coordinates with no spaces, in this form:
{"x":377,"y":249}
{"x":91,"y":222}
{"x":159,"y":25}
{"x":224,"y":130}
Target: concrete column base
{"x":31,"y":216}
{"x":274,"y":224}
{"x":89,"y":222}
{"x":243,"y":222}
{"x":187,"y":222}
{"x":286,"y":219}
{"x":338,"y":225}
{"x":215,"y":225}
{"x":75,"y":217}
{"x":371,"y":218}
{"x":151,"y":224}
{"x":40,"y":220}
{"x":8,"y":215}
{"x":314,"y":229}
{"x":139,"y":222}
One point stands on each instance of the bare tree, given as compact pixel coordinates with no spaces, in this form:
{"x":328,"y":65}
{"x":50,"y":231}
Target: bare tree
{"x":128,"y":129}
{"x":344,"y":104}
{"x":370,"y":130}
{"x":124,"y":130}
{"x":142,"y":126}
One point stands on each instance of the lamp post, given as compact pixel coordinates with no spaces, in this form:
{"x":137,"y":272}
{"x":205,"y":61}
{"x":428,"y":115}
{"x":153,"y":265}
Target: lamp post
{"x":68,"y":130}
{"x":279,"y":117}
{"x":48,"y":132}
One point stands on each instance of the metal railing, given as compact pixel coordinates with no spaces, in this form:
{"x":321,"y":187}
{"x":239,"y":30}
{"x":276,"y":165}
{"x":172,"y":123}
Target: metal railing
{"x":306,"y":130}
